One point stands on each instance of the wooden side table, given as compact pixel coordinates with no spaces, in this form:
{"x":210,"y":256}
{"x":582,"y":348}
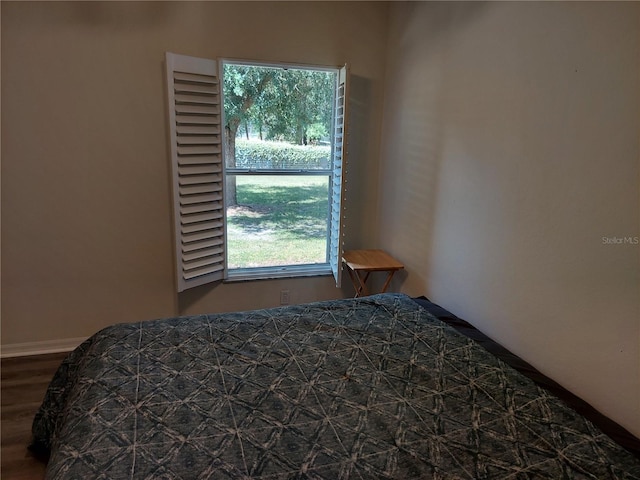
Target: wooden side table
{"x":360,"y":264}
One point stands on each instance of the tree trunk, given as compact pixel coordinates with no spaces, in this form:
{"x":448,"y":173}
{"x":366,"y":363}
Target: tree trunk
{"x":300,"y":136}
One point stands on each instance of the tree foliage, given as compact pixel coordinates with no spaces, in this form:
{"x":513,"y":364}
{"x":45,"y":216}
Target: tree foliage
{"x":243,"y":87}
{"x":293,"y":105}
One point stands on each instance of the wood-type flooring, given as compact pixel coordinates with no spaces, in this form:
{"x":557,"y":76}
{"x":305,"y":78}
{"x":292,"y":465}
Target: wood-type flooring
{"x":24,"y":382}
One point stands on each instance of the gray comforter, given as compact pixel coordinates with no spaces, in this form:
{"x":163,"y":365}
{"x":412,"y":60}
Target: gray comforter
{"x":364,"y":388}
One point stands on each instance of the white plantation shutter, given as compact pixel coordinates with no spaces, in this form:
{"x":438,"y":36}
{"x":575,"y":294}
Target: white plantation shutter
{"x":196,"y":162}
{"x":337,"y":181}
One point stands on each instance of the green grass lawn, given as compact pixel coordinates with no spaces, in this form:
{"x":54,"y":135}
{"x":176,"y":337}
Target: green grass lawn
{"x":279,"y":220}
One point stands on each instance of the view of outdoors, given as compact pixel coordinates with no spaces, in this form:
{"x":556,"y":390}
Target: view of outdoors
{"x":278,"y":162}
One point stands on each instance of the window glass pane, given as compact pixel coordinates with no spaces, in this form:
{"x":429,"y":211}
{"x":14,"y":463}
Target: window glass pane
{"x":278,"y":117}
{"x":278,"y":220}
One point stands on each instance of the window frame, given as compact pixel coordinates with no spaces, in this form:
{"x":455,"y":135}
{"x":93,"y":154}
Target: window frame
{"x":293,"y":270}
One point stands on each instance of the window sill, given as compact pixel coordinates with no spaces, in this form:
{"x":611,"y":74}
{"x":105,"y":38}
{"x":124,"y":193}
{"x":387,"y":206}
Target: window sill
{"x":266,"y":273}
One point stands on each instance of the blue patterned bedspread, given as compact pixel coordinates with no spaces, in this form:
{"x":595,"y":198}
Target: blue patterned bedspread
{"x":367,"y":388}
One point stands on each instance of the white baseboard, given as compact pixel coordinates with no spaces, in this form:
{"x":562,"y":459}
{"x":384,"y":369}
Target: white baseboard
{"x":39,"y":348}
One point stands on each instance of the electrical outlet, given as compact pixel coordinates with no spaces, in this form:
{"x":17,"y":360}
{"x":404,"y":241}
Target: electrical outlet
{"x":284,"y":297}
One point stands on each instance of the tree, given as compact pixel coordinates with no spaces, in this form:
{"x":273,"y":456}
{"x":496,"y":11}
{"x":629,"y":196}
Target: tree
{"x":243,"y":85}
{"x":296,"y":99}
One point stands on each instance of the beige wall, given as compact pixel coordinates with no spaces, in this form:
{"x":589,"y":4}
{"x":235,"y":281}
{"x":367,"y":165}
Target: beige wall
{"x":86,"y":227}
{"x":510,"y":150}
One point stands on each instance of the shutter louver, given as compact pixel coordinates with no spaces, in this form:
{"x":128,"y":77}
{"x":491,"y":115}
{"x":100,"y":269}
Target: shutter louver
{"x":337,"y":178}
{"x":196,"y":154}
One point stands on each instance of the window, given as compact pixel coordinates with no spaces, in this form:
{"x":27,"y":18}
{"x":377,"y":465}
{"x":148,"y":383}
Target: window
{"x":257,"y":177}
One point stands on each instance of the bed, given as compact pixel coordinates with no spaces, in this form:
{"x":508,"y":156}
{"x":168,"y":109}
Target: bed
{"x":379,"y":387}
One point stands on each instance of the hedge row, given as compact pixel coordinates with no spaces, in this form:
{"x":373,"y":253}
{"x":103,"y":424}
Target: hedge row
{"x":260,"y":154}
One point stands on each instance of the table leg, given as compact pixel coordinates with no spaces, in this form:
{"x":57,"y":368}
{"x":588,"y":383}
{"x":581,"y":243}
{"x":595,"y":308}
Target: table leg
{"x":358,"y":282}
{"x":386,"y":283}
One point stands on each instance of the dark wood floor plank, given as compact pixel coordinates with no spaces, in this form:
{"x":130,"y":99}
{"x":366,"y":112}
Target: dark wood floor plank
{"x":24,"y":381}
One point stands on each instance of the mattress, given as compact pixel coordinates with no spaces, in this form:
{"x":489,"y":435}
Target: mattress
{"x":365,"y":388}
